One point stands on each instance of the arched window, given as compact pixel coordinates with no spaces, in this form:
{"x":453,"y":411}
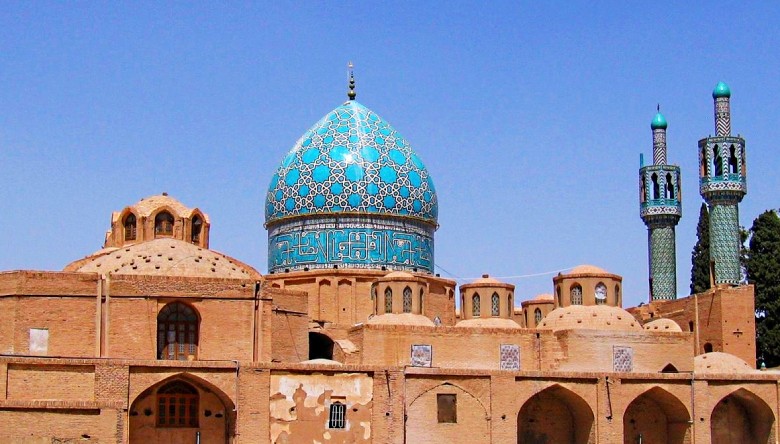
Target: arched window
{"x":717,"y":163}
{"x":669,"y":186}
{"x":388,"y":300}
{"x":177,"y":405}
{"x":643,"y":190}
{"x":421,"y":301}
{"x":558,"y":293}
{"x":617,"y":295}
{"x":177,"y":332}
{"x":703,"y":163}
{"x":163,"y":224}
{"x":708,"y":348}
{"x":197,"y":227}
{"x":495,"y":305}
{"x":337,"y":417}
{"x":537,"y":316}
{"x":407,"y":300}
{"x":130,"y":227}
{"x":656,"y":189}
{"x":576,"y":295}
{"x":475,"y":305}
{"x":601,"y":294}
{"x":733,"y":160}
{"x":510,"y":306}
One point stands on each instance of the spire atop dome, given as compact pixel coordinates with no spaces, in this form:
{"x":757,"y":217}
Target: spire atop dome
{"x":351,"y":94}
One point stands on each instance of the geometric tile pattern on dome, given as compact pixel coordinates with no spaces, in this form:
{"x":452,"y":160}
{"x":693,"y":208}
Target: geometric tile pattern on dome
{"x":663,"y":270}
{"x":351,"y":161}
{"x":509,"y":357}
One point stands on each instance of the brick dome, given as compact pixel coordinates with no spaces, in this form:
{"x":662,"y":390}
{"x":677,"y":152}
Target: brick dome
{"x":722,"y":363}
{"x":590,"y":317}
{"x":662,"y":325}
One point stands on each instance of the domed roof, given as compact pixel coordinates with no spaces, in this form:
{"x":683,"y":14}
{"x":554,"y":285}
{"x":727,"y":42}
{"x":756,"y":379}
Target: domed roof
{"x":662,"y":325}
{"x":543,"y":297}
{"x":721,"y":90}
{"x":659,"y":122}
{"x":590,"y":317}
{"x":588,"y":269}
{"x":400,"y":319}
{"x":488,"y":323}
{"x":167,"y":257}
{"x":148,"y":205}
{"x":717,"y":362}
{"x":351,"y":161}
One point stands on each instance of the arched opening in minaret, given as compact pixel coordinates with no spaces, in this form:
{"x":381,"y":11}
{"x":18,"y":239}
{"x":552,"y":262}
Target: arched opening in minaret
{"x":656,"y":188}
{"x":732,"y":160}
{"x":703,"y":162}
{"x":669,"y":189}
{"x":717,"y":162}
{"x":643,"y":190}
{"x":320,"y":346}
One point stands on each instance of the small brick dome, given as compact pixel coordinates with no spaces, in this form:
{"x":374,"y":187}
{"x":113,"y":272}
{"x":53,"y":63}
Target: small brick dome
{"x":662,"y":325}
{"x":590,"y":317}
{"x":722,"y":363}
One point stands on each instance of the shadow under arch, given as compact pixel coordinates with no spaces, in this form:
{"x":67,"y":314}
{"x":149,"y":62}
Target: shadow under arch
{"x":555,"y":414}
{"x":216,"y":414}
{"x":740,"y":417}
{"x":656,"y":416}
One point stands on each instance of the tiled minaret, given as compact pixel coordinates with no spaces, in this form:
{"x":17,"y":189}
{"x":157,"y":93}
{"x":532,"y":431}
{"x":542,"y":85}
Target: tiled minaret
{"x":722,"y":184}
{"x":660,"y":209}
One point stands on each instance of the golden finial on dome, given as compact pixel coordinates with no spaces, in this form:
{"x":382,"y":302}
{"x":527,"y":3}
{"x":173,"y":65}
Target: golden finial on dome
{"x":351,"y":94}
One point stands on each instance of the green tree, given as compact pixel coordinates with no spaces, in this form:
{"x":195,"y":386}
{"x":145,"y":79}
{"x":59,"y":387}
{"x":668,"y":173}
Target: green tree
{"x":763,"y":270}
{"x":700,"y":256}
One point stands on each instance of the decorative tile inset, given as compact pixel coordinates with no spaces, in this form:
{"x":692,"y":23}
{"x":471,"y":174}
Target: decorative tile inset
{"x":622,"y":359}
{"x":422,"y":355}
{"x":510,"y":357}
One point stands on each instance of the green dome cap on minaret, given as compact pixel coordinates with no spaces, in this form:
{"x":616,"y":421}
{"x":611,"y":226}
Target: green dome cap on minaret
{"x":659,"y":122}
{"x":721,"y":90}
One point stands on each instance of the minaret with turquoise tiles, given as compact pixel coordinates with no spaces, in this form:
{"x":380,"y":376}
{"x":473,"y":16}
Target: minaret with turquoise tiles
{"x":723,"y":184}
{"x":660,"y":206}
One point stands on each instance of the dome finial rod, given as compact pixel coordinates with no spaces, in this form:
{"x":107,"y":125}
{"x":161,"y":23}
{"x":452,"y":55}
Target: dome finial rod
{"x":658,"y":107}
{"x":351,"y":94}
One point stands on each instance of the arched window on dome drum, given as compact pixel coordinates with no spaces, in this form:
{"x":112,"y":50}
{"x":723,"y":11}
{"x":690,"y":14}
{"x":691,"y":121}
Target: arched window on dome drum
{"x":732,"y":160}
{"x":537,"y":316}
{"x":407,"y":300}
{"x":163,"y":224}
{"x":669,"y":186}
{"x":617,"y":295}
{"x":601,"y":294}
{"x":130,"y":227}
{"x":510,"y":307}
{"x":475,"y":305}
{"x":656,"y":189}
{"x":495,"y":305}
{"x":576,"y":295}
{"x":197,"y":227}
{"x":421,"y":301}
{"x":177,"y":405}
{"x":177,"y":332}
{"x":388,"y":300}
{"x":558,"y":293}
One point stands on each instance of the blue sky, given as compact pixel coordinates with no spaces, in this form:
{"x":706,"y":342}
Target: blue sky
{"x":530,"y":117}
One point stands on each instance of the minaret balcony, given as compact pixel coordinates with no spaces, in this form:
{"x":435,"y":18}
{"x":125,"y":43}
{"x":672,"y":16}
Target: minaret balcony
{"x":727,"y":183}
{"x":660,"y":207}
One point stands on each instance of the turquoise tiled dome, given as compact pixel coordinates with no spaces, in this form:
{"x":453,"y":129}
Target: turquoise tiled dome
{"x":721,"y":90}
{"x":659,"y":122}
{"x":351,"y":161}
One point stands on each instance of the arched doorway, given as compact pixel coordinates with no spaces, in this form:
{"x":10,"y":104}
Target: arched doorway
{"x":555,"y":415}
{"x":179,"y":408}
{"x":320,"y":346}
{"x":742,"y":417}
{"x":656,"y":416}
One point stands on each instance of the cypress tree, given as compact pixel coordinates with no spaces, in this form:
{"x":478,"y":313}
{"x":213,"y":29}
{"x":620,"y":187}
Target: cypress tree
{"x":763,"y":270}
{"x":700,"y":256}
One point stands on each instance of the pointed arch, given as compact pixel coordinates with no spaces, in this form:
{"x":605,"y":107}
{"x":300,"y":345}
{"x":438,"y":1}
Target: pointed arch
{"x":130,"y":226}
{"x":556,"y":414}
{"x":320,"y":346}
{"x":575,"y":295}
{"x":656,"y":186}
{"x":733,"y":163}
{"x":657,"y":416}
{"x":669,"y":189}
{"x":163,"y":223}
{"x":475,"y":305}
{"x":495,"y":305}
{"x":388,"y":300}
{"x":717,"y":162}
{"x":741,"y":416}
{"x":407,"y":300}
{"x":422,"y":413}
{"x":197,"y":229}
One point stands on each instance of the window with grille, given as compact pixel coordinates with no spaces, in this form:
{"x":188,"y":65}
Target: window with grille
{"x":601,"y":294}
{"x":576,"y":295}
{"x":163,"y":224}
{"x":537,"y":316}
{"x":388,"y":300}
{"x":407,"y":300}
{"x":177,"y":332}
{"x":475,"y":305}
{"x":495,"y":305}
{"x":197,"y":227}
{"x":130,"y":227}
{"x":447,"y":406}
{"x":177,"y":405}
{"x":337,"y":418}
{"x":421,"y":301}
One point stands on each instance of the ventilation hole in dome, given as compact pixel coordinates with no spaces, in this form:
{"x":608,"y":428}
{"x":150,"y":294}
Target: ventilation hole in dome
{"x":156,"y":267}
{"x":609,"y":323}
{"x":173,"y":246}
{"x":127,"y":249}
{"x":234,"y":268}
{"x":135,"y":267}
{"x":119,"y":256}
{"x":620,"y":318}
{"x":97,"y":265}
{"x":579,"y":321}
{"x":632,"y":324}
{"x":213,"y":270}
{"x":170,"y":258}
{"x":594,"y":314}
{"x":216,"y":258}
{"x":147,"y":260}
{"x":197,"y":260}
{"x":159,"y":254}
{"x":200,"y":257}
